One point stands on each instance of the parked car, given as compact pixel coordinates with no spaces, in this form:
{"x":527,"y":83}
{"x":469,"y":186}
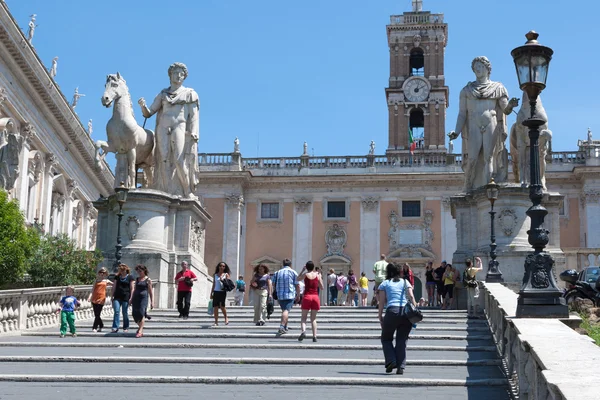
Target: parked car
{"x":590,"y":275}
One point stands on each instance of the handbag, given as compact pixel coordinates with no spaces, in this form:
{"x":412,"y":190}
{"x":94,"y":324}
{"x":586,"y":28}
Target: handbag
{"x":227,"y":284}
{"x":412,"y":313}
{"x":210,"y":309}
{"x":188,"y":281}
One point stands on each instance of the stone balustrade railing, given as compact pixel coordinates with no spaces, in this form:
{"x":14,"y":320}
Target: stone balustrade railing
{"x":400,"y":160}
{"x":545,"y":358}
{"x":35,"y":308}
{"x":416,"y":18}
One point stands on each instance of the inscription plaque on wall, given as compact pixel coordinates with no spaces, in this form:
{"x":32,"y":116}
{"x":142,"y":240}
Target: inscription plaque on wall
{"x":411,"y":236}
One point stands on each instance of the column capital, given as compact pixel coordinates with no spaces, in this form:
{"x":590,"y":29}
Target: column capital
{"x":235,"y":200}
{"x":370,"y":203}
{"x":51,"y":163}
{"x":303,"y":204}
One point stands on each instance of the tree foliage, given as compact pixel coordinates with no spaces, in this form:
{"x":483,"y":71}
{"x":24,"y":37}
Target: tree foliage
{"x":17,"y":241}
{"x":57,"y":261}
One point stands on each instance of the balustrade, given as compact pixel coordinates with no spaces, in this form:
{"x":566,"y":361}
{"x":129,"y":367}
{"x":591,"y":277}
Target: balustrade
{"x":35,"y":308}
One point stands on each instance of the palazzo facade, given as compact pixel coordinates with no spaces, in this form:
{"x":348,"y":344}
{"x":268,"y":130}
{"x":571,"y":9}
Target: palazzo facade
{"x":342,"y":212}
{"x":46,"y":155}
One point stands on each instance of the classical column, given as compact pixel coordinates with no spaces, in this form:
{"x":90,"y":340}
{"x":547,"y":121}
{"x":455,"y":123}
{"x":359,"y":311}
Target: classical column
{"x":22,"y":185}
{"x":233,"y":232}
{"x":369,"y":235}
{"x":47,"y":187}
{"x":591,"y":203}
{"x":448,"y":233}
{"x":302,"y":239}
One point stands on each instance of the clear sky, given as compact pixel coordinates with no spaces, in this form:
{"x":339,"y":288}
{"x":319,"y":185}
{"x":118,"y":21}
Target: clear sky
{"x":278,"y":73}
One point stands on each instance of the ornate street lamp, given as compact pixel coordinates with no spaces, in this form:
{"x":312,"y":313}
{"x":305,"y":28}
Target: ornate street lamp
{"x":539,"y":296}
{"x":493,"y":273}
{"x":121,"y":193}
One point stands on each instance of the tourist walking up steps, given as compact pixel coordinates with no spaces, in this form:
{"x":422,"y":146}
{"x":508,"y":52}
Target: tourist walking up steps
{"x":340,"y":284}
{"x":470,"y":280}
{"x":142,"y":292}
{"x":430,"y":284}
{"x":312,"y":282}
{"x":261,"y":289}
{"x":68,"y":304}
{"x":331,"y":278}
{"x":121,"y":297}
{"x":438,"y":274}
{"x":449,"y":279}
{"x":218,"y":294}
{"x":352,"y":288}
{"x":287,"y":290}
{"x":98,"y":298}
{"x":185,"y":281}
{"x":408,"y":274}
{"x":379,"y":269}
{"x":394,"y":293}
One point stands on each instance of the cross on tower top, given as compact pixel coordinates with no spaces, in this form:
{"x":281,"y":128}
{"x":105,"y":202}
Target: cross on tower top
{"x":417,"y":5}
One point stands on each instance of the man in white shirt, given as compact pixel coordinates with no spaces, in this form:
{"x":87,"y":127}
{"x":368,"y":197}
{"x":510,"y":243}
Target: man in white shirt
{"x":332,"y":289}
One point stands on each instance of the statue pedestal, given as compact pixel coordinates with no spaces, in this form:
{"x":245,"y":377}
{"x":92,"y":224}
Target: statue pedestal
{"x":160,"y":231}
{"x":473,"y":226}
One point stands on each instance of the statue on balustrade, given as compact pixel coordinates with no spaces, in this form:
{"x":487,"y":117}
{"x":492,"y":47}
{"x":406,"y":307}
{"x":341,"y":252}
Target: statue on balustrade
{"x":177,"y":129}
{"x":519,"y":143}
{"x":483,"y":107}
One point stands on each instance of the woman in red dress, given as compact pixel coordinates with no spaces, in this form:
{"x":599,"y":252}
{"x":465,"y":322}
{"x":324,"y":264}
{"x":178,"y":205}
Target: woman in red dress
{"x":312,"y":282}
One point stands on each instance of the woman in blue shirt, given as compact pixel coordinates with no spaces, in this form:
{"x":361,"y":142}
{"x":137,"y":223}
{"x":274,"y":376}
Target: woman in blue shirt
{"x":394,"y":293}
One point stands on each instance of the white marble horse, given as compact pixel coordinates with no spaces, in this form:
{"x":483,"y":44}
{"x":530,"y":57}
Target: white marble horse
{"x":132,"y":144}
{"x":519,"y":143}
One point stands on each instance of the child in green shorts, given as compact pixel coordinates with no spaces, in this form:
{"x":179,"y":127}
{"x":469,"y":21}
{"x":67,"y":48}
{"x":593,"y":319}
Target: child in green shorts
{"x":67,"y":307}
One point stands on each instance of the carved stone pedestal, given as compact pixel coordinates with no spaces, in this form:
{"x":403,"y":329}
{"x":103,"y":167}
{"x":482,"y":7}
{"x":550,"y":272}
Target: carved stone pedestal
{"x":160,"y":231}
{"x":471,"y":212}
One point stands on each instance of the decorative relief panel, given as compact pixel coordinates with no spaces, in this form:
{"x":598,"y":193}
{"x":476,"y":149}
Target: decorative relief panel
{"x":335,"y":238}
{"x":132,"y":224}
{"x":412,"y":234}
{"x":196,"y":236}
{"x":507,"y":219}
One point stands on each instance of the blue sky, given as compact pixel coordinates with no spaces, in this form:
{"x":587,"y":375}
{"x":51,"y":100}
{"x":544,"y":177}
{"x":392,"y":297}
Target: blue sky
{"x":278,"y":73}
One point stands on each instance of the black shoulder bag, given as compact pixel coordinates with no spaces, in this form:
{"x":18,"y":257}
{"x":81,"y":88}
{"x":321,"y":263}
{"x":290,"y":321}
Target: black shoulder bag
{"x":412,"y":313}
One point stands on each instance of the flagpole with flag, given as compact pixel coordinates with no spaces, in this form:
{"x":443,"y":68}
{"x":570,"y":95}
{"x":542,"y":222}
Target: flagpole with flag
{"x":411,"y":141}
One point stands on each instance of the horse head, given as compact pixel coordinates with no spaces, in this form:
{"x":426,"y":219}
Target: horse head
{"x":114,"y":89}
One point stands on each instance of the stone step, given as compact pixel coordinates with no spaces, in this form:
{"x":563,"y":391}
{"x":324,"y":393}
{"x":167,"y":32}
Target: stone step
{"x":292,"y":351}
{"x":103,"y":389}
{"x":277,"y":315}
{"x":321,"y":326}
{"x":238,"y":360}
{"x":296,"y":319}
{"x":246,"y":373}
{"x":291,"y":335}
{"x":62,"y":343}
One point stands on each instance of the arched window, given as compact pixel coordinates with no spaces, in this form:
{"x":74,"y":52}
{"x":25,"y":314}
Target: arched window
{"x":417,"y":62}
{"x":417,"y":126}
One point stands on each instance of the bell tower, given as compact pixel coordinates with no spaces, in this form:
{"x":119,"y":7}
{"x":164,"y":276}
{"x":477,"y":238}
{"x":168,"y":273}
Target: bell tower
{"x":417,"y":95}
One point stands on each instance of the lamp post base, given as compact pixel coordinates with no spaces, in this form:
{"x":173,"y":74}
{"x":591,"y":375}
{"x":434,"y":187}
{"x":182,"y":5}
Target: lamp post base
{"x":542,"y":305}
{"x":540,"y":297}
{"x":494,"y":277}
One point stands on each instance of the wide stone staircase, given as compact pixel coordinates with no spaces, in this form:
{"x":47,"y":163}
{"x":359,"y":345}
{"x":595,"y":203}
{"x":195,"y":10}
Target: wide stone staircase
{"x":449,"y":357}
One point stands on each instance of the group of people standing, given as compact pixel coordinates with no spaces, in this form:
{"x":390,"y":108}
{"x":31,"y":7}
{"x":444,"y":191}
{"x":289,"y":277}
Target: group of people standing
{"x":347,"y":290}
{"x":440,"y":284}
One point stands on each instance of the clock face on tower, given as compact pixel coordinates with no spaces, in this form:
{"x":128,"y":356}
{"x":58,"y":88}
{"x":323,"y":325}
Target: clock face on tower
{"x":416,"y":89}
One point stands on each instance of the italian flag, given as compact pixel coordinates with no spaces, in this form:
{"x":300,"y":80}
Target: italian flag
{"x":411,"y":141}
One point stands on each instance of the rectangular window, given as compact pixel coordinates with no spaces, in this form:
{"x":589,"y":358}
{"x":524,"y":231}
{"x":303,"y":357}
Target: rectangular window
{"x":269,"y":210}
{"x":411,"y":208}
{"x":336,"y":209}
